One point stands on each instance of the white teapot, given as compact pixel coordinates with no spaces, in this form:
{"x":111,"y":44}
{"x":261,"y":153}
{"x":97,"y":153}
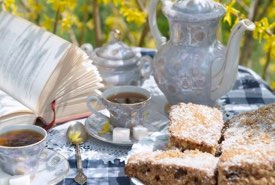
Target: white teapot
{"x":193,"y":66}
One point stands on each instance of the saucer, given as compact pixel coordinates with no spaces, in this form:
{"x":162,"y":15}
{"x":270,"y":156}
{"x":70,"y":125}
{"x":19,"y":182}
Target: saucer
{"x":155,"y":122}
{"x":53,"y":168}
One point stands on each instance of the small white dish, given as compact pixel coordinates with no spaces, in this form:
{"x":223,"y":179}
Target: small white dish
{"x":53,"y":168}
{"x":156,"y":122}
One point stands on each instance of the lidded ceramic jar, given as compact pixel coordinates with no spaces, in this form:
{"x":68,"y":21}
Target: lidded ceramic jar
{"x":118,"y":64}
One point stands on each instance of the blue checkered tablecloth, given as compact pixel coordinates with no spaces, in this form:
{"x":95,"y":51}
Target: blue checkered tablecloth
{"x":103,"y":163}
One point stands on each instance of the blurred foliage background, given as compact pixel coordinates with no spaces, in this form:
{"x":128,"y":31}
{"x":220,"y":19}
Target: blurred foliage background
{"x":81,"y":21}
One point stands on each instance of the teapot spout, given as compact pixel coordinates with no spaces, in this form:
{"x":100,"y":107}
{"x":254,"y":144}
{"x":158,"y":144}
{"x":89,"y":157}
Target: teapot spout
{"x":232,"y":58}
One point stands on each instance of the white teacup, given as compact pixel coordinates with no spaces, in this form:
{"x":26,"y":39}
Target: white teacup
{"x":20,"y":160}
{"x":122,"y":113}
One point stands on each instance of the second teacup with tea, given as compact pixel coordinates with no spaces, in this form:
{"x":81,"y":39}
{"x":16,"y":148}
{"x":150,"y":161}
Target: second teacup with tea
{"x":20,"y":148}
{"x":128,"y":105}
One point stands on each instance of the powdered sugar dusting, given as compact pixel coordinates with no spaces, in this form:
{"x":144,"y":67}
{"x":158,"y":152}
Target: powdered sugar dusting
{"x":250,"y":138}
{"x":197,"y":123}
{"x":190,"y":159}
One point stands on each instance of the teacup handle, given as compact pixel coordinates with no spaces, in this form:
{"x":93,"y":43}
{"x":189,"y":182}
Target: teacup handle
{"x":90,"y":107}
{"x":146,"y":66}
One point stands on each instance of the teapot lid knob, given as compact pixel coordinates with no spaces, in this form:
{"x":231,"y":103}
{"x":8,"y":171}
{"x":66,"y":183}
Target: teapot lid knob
{"x":115,"y":34}
{"x":195,"y":6}
{"x":194,"y":10}
{"x":115,"y":49}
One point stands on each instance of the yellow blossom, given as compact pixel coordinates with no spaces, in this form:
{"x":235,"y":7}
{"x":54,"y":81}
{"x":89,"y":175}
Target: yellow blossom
{"x":8,"y":3}
{"x":118,"y":2}
{"x":110,"y":21}
{"x":272,"y":68}
{"x":77,"y":22}
{"x":133,"y":15}
{"x":10,"y":6}
{"x":262,"y":61}
{"x":273,"y":85}
{"x":74,"y":137}
{"x":104,"y":1}
{"x":47,"y":22}
{"x":115,"y":2}
{"x":90,"y":24}
{"x":106,"y":128}
{"x":84,"y":8}
{"x":230,"y":11}
{"x":262,"y":27}
{"x":61,"y":5}
{"x":115,"y":22}
{"x":66,"y":23}
{"x":270,"y":45}
{"x":35,"y":7}
{"x":270,"y":10}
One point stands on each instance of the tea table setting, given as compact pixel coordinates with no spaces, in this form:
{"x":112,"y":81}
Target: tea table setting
{"x":103,"y":162}
{"x":140,"y":86}
{"x":103,"y":159}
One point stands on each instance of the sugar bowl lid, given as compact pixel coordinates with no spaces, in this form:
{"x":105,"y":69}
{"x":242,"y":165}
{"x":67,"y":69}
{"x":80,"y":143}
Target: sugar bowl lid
{"x":115,"y":50}
{"x":193,"y":10}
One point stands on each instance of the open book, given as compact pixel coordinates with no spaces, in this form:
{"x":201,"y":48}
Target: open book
{"x":40,"y":73}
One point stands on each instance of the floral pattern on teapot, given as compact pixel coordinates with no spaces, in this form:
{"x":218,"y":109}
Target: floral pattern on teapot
{"x":193,"y":66}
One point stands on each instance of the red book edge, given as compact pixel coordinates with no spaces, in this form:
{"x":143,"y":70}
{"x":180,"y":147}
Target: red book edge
{"x":41,"y":122}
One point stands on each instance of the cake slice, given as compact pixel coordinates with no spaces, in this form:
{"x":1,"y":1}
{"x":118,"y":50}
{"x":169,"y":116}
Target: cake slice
{"x":247,"y":167}
{"x":173,"y":167}
{"x":251,"y":130}
{"x":248,"y":149}
{"x":194,"y":126}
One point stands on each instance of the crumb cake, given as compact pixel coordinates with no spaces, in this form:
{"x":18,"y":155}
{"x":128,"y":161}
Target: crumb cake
{"x":194,"y":126}
{"x":248,"y":149}
{"x":247,"y":167}
{"x":192,"y":167}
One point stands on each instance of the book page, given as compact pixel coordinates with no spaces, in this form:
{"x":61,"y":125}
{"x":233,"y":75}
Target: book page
{"x":71,"y":83}
{"x":28,"y":57}
{"x":9,"y":106}
{"x":18,"y":119}
{"x":76,"y":72}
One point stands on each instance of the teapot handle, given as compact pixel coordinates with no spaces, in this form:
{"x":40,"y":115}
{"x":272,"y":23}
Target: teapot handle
{"x":160,"y":39}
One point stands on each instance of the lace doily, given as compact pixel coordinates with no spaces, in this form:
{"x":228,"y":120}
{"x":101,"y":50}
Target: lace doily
{"x":92,"y":149}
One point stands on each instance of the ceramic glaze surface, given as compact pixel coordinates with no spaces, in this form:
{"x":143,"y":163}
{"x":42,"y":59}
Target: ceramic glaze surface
{"x":52,"y":169}
{"x":22,"y":160}
{"x":123,"y":114}
{"x":118,"y":64}
{"x":186,"y":78}
{"x":193,"y":66}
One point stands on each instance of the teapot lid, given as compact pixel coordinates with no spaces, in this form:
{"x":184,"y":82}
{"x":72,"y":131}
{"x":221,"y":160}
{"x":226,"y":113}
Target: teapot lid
{"x":115,"y":49}
{"x":193,"y":10}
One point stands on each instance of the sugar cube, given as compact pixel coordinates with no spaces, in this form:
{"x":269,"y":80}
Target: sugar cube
{"x":121,"y":134}
{"x":4,"y":178}
{"x":20,"y":179}
{"x":140,"y":132}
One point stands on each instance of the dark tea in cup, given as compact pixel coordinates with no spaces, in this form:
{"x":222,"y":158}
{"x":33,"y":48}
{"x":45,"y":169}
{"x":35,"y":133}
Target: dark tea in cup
{"x":20,"y":148}
{"x":127,"y":105}
{"x":20,"y":138}
{"x":128,"y":98}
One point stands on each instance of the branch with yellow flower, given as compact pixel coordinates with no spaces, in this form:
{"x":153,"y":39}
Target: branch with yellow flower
{"x":263,"y":31}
